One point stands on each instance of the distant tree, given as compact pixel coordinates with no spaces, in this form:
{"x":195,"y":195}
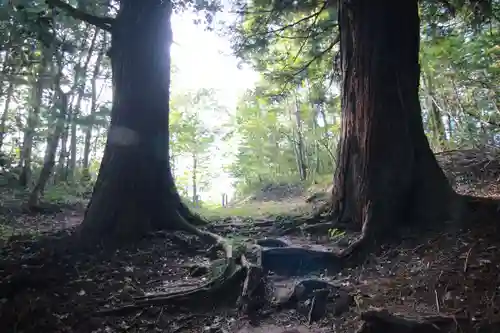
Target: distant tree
{"x":192,"y":138}
{"x":299,"y":136}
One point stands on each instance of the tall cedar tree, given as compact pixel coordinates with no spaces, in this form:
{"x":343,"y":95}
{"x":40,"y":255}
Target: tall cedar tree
{"x":387,"y":174}
{"x":135,"y":192}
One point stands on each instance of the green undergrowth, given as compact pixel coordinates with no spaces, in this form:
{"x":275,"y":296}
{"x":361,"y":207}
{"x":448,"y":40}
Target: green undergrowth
{"x":318,"y":180}
{"x":6,"y":232}
{"x":255,"y":210}
{"x":320,"y":183}
{"x":14,"y":219}
{"x":62,"y":193}
{"x":65,"y":193}
{"x":267,"y":209}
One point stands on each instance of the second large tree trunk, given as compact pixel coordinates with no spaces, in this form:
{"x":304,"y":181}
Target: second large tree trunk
{"x":134,"y":192}
{"x":387,"y":175}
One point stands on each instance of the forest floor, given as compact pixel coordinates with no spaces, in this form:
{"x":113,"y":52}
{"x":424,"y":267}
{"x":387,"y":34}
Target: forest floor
{"x":452,"y":272}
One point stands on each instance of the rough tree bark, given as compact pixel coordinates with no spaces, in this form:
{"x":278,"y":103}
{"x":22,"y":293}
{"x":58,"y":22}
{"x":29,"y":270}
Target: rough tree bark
{"x":135,"y":193}
{"x":387,"y":174}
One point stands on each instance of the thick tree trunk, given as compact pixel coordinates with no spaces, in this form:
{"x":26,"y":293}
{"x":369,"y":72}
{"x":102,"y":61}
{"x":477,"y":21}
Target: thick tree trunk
{"x":134,"y":192}
{"x":387,"y":174}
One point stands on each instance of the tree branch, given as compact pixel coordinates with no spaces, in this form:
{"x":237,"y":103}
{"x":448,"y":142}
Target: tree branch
{"x":104,"y":23}
{"x":309,"y":34}
{"x":280,"y":29}
{"x":310,"y":62}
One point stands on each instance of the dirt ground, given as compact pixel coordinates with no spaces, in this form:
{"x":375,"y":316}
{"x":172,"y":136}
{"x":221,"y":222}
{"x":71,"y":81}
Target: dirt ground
{"x":453,"y":272}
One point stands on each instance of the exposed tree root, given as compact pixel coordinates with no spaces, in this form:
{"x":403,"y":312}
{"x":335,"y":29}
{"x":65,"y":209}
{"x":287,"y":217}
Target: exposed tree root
{"x":242,"y":275}
{"x":381,"y":321}
{"x":322,"y":209}
{"x":192,"y":217}
{"x":254,"y":261}
{"x":262,"y":224}
{"x":319,"y":228}
{"x":235,"y":271}
{"x":206,"y":236}
{"x":253,"y":293}
{"x":217,"y":286}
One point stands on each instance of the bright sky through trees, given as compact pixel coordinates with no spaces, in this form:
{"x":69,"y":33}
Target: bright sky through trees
{"x":203,"y":60}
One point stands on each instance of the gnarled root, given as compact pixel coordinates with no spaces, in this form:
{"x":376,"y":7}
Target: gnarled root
{"x":228,"y":274}
{"x":242,"y":274}
{"x":381,"y":321}
{"x":253,"y":293}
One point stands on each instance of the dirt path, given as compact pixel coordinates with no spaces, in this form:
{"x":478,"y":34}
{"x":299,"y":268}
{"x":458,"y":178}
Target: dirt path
{"x":454,"y":272}
{"x":42,"y":290}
